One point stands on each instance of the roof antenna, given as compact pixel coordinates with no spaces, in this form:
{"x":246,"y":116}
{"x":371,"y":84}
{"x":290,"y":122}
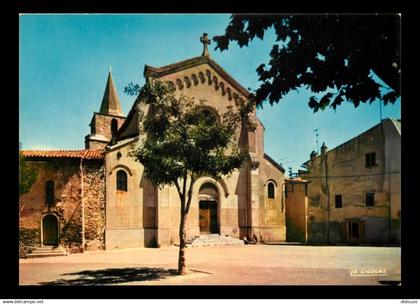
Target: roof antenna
{"x":317,"y":144}
{"x":380,"y":110}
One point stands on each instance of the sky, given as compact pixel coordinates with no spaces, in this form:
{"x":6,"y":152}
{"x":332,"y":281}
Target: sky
{"x":63,"y":68}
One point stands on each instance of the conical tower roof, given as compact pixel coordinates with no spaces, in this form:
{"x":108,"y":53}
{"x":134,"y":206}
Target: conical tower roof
{"x":110,"y":102}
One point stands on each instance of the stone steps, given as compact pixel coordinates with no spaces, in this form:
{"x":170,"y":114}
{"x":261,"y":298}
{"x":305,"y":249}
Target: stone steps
{"x":47,"y":251}
{"x":213,"y":240}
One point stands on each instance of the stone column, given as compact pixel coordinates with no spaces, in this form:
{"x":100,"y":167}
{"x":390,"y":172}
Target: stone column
{"x":163,"y":217}
{"x":254,"y":199}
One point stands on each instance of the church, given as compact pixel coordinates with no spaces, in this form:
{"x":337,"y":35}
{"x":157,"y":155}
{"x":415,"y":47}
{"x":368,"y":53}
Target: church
{"x":99,"y":198}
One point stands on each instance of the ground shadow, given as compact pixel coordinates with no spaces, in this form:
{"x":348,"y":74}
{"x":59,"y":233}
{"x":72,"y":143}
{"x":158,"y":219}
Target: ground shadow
{"x":114,"y":276}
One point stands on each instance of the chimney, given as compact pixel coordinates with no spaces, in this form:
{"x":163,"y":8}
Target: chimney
{"x":324,"y":149}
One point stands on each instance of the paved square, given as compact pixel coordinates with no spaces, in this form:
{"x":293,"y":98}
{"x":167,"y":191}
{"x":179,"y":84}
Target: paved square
{"x":227,"y":265}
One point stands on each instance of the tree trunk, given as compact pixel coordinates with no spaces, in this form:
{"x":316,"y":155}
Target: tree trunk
{"x":185,"y":206}
{"x":182,"y":234}
{"x":22,"y":205}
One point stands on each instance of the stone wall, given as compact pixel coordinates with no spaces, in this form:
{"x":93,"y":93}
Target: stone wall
{"x":269,"y":219}
{"x":94,"y":204}
{"x":66,"y":206}
{"x":296,"y":206}
{"x":28,"y":240}
{"x":100,"y":130}
{"x":392,"y":131}
{"x":95,"y":144}
{"x":342,"y":171}
{"x":124,"y":209}
{"x":101,"y":124}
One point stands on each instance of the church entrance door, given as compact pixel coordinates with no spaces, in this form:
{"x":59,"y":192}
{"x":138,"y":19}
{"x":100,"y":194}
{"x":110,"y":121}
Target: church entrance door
{"x":50,"y":230}
{"x":208,"y":198}
{"x":208,"y":217}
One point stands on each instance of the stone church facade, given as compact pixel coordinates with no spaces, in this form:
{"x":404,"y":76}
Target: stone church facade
{"x":106,"y":202}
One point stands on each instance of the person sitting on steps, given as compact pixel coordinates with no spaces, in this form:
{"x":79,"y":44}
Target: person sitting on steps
{"x":251,"y":241}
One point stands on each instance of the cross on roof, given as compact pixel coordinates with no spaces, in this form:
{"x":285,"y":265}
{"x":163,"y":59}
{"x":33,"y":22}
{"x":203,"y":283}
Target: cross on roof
{"x":205,"y":41}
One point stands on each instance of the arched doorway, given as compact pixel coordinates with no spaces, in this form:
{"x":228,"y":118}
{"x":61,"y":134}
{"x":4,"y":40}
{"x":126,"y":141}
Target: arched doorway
{"x":50,"y":230}
{"x":208,"y":197}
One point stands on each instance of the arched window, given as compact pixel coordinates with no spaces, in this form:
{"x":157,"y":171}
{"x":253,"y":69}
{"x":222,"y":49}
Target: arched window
{"x":209,"y":189}
{"x":270,"y":190}
{"x":209,"y":116}
{"x":121,"y":180}
{"x":114,"y":127}
{"x":49,"y":193}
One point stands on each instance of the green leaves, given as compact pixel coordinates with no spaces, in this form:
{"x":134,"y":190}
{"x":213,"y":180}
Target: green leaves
{"x":27,"y":175}
{"x":132,"y":89}
{"x":351,"y":45}
{"x":390,"y":97}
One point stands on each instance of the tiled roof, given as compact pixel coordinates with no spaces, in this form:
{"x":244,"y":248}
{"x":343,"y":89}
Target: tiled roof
{"x":84,"y":154}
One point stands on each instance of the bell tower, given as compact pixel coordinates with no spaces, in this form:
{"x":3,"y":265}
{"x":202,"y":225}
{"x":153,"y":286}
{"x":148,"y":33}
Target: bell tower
{"x":105,"y":123}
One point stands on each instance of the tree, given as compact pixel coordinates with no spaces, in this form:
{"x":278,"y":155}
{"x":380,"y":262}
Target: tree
{"x":330,"y":54}
{"x":183,"y":141}
{"x":27,"y":175}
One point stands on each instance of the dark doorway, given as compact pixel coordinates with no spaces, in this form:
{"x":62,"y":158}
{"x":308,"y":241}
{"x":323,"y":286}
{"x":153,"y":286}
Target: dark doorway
{"x":50,"y":230}
{"x":208,"y":198}
{"x":355,"y":232}
{"x":208,"y":217}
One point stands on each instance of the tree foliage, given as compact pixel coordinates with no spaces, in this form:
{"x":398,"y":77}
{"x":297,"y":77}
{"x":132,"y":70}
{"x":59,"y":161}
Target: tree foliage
{"x":333,"y":55}
{"x":27,"y":175}
{"x":185,"y":140}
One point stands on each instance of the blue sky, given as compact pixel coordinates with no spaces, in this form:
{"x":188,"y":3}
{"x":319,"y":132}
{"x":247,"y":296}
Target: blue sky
{"x":64,"y":63}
